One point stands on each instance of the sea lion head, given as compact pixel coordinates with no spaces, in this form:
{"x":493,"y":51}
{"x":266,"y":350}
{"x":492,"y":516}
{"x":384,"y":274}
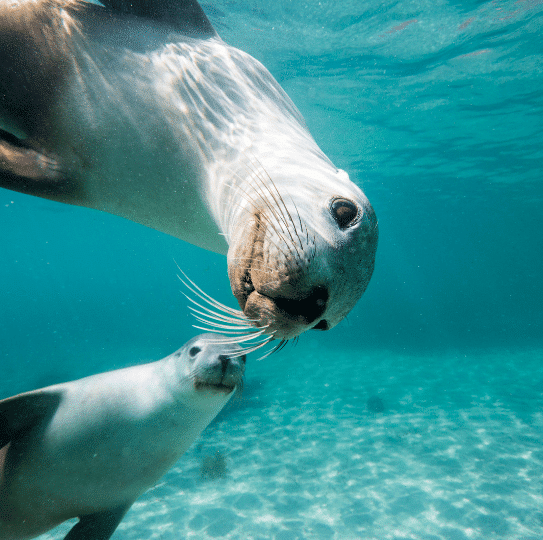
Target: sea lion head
{"x":210,"y":365}
{"x":301,"y":254}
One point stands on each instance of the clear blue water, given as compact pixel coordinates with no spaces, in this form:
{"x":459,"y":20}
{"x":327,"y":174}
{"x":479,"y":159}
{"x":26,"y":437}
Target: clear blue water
{"x":436,"y":109}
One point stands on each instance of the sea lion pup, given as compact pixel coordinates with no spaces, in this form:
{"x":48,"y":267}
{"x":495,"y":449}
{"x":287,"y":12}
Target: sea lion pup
{"x":139,"y":109}
{"x":90,"y":448}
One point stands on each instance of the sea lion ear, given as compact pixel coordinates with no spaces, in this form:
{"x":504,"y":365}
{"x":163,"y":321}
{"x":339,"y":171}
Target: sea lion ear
{"x":185,"y":15}
{"x":20,"y":413}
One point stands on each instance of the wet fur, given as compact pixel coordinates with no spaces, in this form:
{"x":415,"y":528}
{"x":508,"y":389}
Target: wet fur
{"x":142,"y":111}
{"x":89,"y":448}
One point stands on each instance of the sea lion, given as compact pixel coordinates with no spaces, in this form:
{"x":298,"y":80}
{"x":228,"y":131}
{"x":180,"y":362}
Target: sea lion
{"x":89,"y":448}
{"x":139,"y":109}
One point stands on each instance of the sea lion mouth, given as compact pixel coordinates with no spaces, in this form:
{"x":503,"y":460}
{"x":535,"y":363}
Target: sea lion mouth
{"x":267,"y":304}
{"x":275,"y":296}
{"x":219,"y":387}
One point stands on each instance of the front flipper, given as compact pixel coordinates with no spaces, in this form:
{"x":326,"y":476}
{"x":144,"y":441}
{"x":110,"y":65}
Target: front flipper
{"x":98,"y":526}
{"x":27,"y":170}
{"x":20,"y":413}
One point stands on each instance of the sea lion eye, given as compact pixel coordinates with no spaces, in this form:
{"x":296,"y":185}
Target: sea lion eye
{"x":344,"y":212}
{"x":194,"y":351}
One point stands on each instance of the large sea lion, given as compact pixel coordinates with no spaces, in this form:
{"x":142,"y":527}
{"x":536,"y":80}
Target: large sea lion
{"x":90,"y":448}
{"x":138,"y":108}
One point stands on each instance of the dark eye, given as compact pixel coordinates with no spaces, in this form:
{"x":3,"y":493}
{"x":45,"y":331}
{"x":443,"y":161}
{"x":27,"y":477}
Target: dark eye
{"x":194,"y":351}
{"x":344,"y":212}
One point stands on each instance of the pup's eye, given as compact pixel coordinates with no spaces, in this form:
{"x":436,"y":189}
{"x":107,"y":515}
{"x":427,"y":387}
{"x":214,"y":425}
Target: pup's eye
{"x":344,"y":212}
{"x":194,"y":351}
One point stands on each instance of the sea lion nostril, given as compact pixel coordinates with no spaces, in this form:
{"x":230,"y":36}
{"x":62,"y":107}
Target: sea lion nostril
{"x":321,"y":325}
{"x":223,"y":359}
{"x":309,"y":308}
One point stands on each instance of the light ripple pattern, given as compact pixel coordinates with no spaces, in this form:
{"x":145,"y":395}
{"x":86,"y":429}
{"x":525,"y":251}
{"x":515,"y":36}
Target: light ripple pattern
{"x":456,"y":454}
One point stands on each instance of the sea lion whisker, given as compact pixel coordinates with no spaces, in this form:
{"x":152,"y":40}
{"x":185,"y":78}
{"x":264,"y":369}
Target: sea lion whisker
{"x":279,"y":205}
{"x":280,"y":233}
{"x":254,"y":259}
{"x":301,"y":222}
{"x":264,"y":284}
{"x":256,"y":174}
{"x":265,"y":219}
{"x":235,"y":326}
{"x":257,"y":346}
{"x":217,"y":315}
{"x":263,"y":191}
{"x":216,"y":311}
{"x":217,"y":319}
{"x":236,"y":339}
{"x":234,"y":333}
{"x":298,"y":256}
{"x":268,"y":221}
{"x":284,"y":210}
{"x":209,"y":299}
{"x":286,"y":241}
{"x":300,"y":243}
{"x":281,"y":345}
{"x":190,"y":299}
{"x":299,"y":217}
{"x":217,"y":324}
{"x":249,"y":198}
{"x":271,"y":351}
{"x":245,"y":325}
{"x":261,"y":188}
{"x":273,"y":210}
{"x":278,"y":193}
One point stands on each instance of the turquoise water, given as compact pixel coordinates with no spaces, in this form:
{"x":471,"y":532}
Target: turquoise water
{"x":435,"y":109}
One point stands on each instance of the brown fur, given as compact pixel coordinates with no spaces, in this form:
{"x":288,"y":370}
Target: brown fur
{"x":35,"y":61}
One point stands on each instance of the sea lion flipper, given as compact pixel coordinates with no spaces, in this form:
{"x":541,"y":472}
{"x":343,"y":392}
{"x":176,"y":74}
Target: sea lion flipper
{"x":20,"y":413}
{"x":185,"y":15}
{"x":27,"y":169}
{"x":98,"y":526}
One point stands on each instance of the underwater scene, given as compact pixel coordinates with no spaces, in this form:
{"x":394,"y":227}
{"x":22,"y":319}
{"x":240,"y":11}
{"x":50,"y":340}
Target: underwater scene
{"x":420,"y":415}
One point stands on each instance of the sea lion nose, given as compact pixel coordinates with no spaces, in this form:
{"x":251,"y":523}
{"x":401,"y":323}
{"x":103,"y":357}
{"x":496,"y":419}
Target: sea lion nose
{"x":224,"y":360}
{"x":310,"y":308}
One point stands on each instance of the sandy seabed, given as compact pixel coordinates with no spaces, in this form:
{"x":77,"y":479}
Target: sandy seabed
{"x":455,"y":454}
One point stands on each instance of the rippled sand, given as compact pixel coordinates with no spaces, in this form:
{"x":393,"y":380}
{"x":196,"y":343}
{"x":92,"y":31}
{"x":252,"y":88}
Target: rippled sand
{"x":456,"y":453}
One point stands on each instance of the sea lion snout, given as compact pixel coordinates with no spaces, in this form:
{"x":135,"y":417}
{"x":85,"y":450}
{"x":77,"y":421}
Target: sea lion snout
{"x":216,"y":365}
{"x":222,"y":374}
{"x":302,"y":266}
{"x":288,"y":315}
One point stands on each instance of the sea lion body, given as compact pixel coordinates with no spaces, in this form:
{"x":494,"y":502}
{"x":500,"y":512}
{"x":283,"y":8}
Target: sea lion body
{"x":163,"y":123}
{"x":90,"y":448}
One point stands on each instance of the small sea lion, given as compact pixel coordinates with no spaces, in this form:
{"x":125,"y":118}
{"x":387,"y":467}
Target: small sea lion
{"x":89,"y":448}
